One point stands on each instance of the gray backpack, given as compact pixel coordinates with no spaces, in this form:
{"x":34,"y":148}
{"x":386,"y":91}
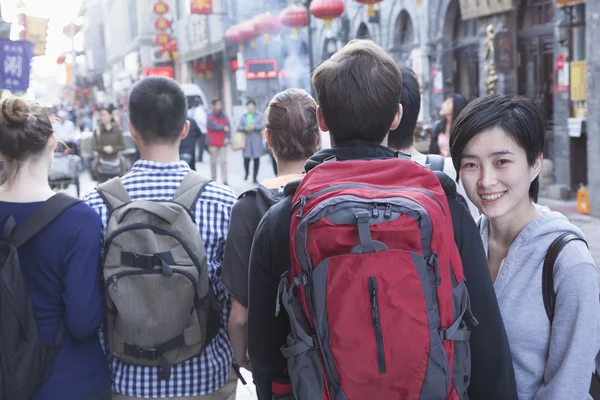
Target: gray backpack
{"x":161,"y":309}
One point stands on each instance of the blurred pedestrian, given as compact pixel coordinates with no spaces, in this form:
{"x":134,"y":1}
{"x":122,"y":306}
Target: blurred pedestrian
{"x":252,"y":124}
{"x":198,"y":113}
{"x":108,"y":143}
{"x":449,"y":111}
{"x":218,"y":127}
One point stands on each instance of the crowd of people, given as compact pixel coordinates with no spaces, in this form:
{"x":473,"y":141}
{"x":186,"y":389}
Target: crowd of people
{"x":362,"y":270}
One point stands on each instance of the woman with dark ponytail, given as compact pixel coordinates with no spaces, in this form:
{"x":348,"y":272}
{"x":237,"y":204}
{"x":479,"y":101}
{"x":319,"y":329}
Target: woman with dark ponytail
{"x":59,"y":265}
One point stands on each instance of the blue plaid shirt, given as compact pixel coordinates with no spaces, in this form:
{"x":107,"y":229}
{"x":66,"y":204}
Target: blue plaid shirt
{"x":209,"y":371}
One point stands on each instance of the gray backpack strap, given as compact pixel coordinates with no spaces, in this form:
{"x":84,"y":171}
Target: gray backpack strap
{"x":190,"y":190}
{"x":113,"y":193}
{"x":435,"y":162}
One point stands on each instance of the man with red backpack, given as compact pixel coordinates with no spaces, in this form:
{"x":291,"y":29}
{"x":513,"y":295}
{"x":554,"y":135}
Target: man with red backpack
{"x":357,"y":288}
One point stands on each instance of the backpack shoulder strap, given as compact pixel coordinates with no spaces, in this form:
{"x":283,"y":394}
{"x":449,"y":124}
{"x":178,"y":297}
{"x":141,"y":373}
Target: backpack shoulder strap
{"x":548,"y":270}
{"x":435,"y":162}
{"x":40,"y":218}
{"x":190,"y":190}
{"x":113,"y":193}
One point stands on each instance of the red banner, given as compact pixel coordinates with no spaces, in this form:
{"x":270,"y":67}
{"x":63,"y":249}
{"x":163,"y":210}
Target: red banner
{"x":159,"y":71}
{"x":201,"y":7}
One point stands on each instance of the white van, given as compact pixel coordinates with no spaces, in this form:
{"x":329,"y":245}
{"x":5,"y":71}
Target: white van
{"x":192,"y":90}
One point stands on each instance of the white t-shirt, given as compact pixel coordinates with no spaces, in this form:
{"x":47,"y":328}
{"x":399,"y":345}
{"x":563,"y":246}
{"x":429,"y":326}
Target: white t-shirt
{"x":451,"y":172}
{"x":200,"y":116}
{"x":64,"y":130}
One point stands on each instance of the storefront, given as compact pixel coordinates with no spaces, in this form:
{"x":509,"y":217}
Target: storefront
{"x":570,"y":69}
{"x":536,"y":48}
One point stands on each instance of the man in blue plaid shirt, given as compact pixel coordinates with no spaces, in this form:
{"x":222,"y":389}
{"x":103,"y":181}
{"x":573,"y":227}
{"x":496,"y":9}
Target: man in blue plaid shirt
{"x":157,"y":109}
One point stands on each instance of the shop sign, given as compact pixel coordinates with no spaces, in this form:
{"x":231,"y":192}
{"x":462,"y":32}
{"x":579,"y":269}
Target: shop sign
{"x":562,"y":74}
{"x":564,"y":3}
{"x":203,"y":7}
{"x":35,"y":30}
{"x":197,"y":30}
{"x":504,"y":55}
{"x":159,"y":71}
{"x":476,"y":8}
{"x":15,"y":56}
{"x":261,"y":69}
{"x":578,"y":81}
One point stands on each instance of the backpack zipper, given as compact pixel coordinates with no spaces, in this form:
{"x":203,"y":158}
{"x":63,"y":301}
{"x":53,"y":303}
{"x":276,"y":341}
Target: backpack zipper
{"x":434,"y":263}
{"x":113,"y":279}
{"x":304,"y":199}
{"x":376,"y":321}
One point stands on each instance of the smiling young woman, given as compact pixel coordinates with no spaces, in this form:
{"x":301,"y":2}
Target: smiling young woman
{"x":496,"y":146}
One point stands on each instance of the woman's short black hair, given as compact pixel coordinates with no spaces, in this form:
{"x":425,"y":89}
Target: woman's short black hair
{"x":517,"y":116}
{"x":251,"y":102}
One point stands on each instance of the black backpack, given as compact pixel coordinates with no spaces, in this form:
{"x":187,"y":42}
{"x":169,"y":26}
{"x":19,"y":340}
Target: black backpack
{"x":263,"y":200}
{"x":549,"y":296}
{"x":25,"y":360}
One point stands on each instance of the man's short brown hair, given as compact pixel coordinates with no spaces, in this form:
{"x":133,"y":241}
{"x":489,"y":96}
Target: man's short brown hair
{"x":358,"y":90}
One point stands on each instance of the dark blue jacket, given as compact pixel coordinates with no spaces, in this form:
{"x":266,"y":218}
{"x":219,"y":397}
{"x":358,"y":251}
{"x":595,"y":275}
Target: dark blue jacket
{"x":62,"y":267}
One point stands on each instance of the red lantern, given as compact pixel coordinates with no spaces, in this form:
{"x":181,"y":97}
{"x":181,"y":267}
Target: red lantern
{"x":61,"y":59}
{"x":233,"y":35}
{"x":327,"y":10}
{"x":371,"y":6}
{"x":202,"y":69}
{"x":267,"y":24}
{"x":294,"y":17}
{"x":248,"y":32}
{"x":171,"y":47}
{"x":211,"y":67}
{"x":160,"y":8}
{"x":67,"y":29}
{"x":78,"y":90}
{"x":87,"y":92}
{"x":162,"y":38}
{"x":162,"y":24}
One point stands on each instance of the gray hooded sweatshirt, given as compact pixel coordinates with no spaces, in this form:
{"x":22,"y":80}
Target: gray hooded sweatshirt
{"x":551,"y":362}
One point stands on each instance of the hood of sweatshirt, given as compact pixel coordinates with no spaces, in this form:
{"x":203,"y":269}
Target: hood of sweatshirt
{"x":531,"y":244}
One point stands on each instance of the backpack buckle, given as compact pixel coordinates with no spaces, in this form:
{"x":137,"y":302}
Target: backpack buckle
{"x":140,"y":352}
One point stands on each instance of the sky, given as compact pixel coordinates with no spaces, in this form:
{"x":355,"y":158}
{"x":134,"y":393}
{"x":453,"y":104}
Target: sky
{"x":60,"y":13}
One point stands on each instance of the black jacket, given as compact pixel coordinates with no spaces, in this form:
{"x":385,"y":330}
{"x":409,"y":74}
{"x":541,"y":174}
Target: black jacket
{"x":188,"y":144}
{"x":492,"y":370}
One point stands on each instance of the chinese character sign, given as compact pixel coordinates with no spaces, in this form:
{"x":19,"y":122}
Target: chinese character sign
{"x":35,"y":31}
{"x":15,"y":59}
{"x":201,"y":6}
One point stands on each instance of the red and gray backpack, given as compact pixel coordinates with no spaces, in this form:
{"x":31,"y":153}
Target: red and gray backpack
{"x":376,"y":294}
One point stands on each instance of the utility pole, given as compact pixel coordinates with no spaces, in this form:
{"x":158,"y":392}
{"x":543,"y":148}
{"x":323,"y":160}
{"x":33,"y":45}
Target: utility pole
{"x":310,"y":41}
{"x":73,"y":56}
